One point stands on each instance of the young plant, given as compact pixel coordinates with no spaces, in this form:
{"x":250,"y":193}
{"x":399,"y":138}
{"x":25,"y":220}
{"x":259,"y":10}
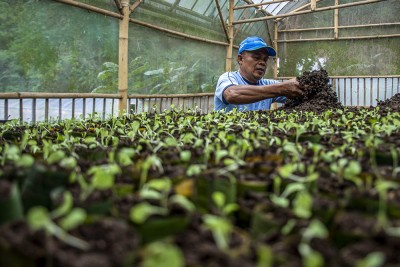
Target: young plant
{"x":159,"y":190}
{"x":220,"y":226}
{"x":39,"y":218}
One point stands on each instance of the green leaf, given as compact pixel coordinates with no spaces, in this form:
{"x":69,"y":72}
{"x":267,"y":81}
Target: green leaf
{"x":373,"y":259}
{"x":280,"y":201}
{"x":141,"y":212}
{"x":161,"y":185}
{"x":162,"y":254}
{"x":102,"y":180}
{"x":221,"y":229}
{"x":311,"y":258}
{"x":229,"y":208}
{"x":195,"y":169}
{"x":25,"y":161}
{"x":286,"y":170}
{"x":38,"y":218}
{"x":183,"y":202}
{"x":291,"y":188}
{"x":68,"y":163}
{"x":125,"y":155}
{"x":170,"y":141}
{"x":104,"y":175}
{"x":56,"y":156}
{"x":75,"y":218}
{"x":219,"y":199}
{"x":353,"y":169}
{"x":185,"y":155}
{"x":303,"y":205}
{"x":265,"y":256}
{"x":315,"y":229}
{"x":65,"y":207}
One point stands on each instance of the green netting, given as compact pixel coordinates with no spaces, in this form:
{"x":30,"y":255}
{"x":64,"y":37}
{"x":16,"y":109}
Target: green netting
{"x":48,"y":46}
{"x":375,"y":56}
{"x":51,"y":47}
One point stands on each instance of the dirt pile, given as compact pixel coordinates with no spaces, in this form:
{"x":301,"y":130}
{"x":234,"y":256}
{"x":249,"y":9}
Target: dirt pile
{"x":319,"y":95}
{"x":392,"y":103}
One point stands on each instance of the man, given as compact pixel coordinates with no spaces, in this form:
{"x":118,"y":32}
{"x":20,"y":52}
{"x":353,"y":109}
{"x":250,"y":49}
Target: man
{"x":246,"y":89}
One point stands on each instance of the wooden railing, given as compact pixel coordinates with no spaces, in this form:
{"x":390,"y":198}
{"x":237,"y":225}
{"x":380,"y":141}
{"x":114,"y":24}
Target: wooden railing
{"x":32,"y":107}
{"x":202,"y":102}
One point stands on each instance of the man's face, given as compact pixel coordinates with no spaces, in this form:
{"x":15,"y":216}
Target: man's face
{"x":253,"y":64}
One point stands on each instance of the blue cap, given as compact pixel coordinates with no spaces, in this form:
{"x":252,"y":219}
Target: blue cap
{"x":254,"y":43}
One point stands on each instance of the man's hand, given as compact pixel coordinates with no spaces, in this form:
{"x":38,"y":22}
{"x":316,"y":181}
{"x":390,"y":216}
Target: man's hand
{"x":292,"y":88}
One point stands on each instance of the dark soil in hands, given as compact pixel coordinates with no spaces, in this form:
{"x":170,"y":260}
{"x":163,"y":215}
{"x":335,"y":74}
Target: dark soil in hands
{"x":392,"y":103}
{"x":319,"y":95}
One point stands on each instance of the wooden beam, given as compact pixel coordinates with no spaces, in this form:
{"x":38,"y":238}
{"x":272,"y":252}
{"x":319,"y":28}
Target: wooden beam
{"x":229,"y":50}
{"x":174,"y":5}
{"x":222,"y":20}
{"x":91,"y":8}
{"x":140,"y":96}
{"x":39,"y":95}
{"x":138,"y":22}
{"x":298,"y":9}
{"x":135,"y":5}
{"x":118,"y":4}
{"x":341,"y":27}
{"x":184,"y":35}
{"x":308,"y":11}
{"x":123,"y":58}
{"x":341,"y":38}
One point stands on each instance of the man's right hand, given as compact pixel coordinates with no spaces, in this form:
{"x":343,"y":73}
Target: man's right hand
{"x":292,"y":88}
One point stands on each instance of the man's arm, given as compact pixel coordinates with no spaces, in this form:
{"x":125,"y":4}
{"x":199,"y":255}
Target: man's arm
{"x":245,"y":94}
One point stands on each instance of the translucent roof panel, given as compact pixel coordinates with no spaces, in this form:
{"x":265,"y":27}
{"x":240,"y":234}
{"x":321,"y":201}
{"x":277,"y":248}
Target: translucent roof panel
{"x":274,"y":8}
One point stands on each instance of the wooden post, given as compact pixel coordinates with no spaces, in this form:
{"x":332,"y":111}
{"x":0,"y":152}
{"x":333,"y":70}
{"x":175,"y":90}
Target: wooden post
{"x":221,"y":17}
{"x":123,"y":58}
{"x":313,"y":5}
{"x":276,"y":49}
{"x":336,"y":21}
{"x":229,"y":50}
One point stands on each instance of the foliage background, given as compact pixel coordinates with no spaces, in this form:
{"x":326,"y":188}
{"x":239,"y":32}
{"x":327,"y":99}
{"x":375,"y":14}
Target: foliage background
{"x":343,"y":57}
{"x":46,"y":46}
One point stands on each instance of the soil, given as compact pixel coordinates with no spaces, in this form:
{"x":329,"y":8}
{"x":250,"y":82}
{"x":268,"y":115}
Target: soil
{"x":392,"y":103}
{"x":349,"y":212}
{"x":198,"y":246}
{"x":111,"y":243}
{"x":319,"y":95}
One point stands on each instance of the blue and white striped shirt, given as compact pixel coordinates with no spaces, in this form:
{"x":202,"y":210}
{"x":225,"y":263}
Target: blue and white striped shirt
{"x":234,"y":78}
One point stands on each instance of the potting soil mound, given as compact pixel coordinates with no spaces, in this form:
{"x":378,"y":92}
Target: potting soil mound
{"x":319,"y":95}
{"x":392,"y":103}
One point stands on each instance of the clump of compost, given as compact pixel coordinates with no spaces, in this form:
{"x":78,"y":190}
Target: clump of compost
{"x":319,"y":95}
{"x":392,"y":103}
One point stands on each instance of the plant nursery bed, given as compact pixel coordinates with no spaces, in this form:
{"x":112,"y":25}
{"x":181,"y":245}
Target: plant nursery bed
{"x":217,"y":190}
{"x":289,"y":187}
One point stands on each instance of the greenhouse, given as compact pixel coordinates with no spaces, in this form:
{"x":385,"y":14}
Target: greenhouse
{"x":174,"y":133}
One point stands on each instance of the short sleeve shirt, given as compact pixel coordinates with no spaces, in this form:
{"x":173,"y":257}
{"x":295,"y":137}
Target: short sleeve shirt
{"x":234,"y":78}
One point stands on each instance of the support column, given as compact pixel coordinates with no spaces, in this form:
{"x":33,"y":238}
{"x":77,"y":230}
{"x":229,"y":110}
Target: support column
{"x":313,"y":5}
{"x":229,"y":51}
{"x":275,"y":105}
{"x":336,"y":20}
{"x":123,"y":58}
{"x":276,"y":49}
